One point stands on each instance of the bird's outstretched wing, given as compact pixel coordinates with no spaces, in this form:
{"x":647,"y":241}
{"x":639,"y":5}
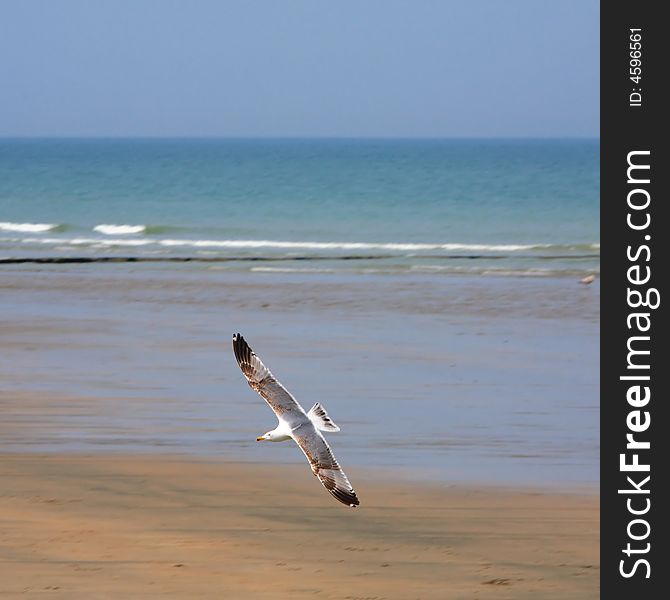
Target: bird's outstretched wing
{"x":284,"y":405}
{"x":324,"y":465}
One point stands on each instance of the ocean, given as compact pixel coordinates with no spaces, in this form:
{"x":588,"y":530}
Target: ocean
{"x":425,"y":292}
{"x":499,"y":207}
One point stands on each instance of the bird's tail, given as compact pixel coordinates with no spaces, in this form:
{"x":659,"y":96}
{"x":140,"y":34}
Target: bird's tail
{"x":318,"y":415}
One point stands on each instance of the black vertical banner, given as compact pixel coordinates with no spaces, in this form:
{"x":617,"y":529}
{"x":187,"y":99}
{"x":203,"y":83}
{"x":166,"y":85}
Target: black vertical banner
{"x":635,"y":252}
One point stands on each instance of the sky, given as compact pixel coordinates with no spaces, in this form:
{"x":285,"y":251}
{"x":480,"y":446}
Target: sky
{"x":300,"y":68}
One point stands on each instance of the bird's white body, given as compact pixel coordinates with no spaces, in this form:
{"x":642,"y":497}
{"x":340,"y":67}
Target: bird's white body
{"x":281,"y":433}
{"x":284,"y":431}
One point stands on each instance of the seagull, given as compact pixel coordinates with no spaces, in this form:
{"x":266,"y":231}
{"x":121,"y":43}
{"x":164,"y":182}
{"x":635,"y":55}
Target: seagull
{"x":588,"y":279}
{"x":304,"y":428}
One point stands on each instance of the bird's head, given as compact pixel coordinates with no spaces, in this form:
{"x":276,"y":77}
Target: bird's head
{"x":266,"y":437}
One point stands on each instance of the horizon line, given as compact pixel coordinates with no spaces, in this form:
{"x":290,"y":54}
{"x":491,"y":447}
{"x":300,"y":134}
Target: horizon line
{"x":297,"y":137}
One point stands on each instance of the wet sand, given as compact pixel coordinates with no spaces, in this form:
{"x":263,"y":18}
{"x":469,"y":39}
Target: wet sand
{"x":489,"y":379}
{"x":137,"y":526}
{"x":193,"y":284}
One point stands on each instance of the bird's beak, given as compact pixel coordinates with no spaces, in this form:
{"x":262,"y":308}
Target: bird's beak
{"x":260,"y":439}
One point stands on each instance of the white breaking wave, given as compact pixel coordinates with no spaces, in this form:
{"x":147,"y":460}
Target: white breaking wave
{"x":408,"y":247}
{"x":119,"y":229}
{"x":28,"y":227}
{"x":275,"y":244}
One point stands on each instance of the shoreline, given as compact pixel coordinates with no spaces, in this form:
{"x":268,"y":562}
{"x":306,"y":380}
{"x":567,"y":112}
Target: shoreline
{"x":140,"y":526}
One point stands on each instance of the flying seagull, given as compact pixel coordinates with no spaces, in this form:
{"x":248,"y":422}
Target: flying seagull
{"x":294,"y":423}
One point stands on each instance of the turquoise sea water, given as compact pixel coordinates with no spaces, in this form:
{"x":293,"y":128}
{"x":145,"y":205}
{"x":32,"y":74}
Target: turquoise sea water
{"x":515,"y":207}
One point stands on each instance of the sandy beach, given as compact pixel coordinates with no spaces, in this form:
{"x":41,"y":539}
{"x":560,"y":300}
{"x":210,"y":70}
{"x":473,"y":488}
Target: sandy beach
{"x":468,"y":430}
{"x":133,"y":526}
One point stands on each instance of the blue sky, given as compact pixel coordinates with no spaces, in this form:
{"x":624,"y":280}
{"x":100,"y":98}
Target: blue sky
{"x":483,"y":68}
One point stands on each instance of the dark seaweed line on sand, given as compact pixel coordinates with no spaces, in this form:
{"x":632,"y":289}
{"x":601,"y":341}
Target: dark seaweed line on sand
{"x":221,"y":259}
{"x":207,"y":259}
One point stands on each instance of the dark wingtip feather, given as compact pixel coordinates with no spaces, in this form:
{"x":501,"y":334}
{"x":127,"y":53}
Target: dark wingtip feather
{"x":345,"y":497}
{"x":240,"y":348}
{"x":243,"y":353}
{"x":236,"y":337}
